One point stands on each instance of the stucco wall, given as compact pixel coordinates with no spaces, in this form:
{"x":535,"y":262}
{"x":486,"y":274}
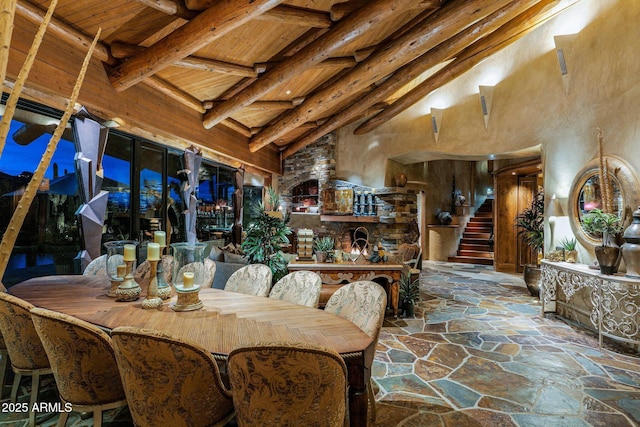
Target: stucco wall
{"x":532,"y":106}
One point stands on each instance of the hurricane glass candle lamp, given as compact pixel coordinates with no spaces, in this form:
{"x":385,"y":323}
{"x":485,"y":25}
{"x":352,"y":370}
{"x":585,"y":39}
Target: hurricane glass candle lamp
{"x":121,"y":265}
{"x":188,"y":274}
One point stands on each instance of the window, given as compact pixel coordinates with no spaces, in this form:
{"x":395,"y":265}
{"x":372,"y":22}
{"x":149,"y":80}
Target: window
{"x":49,"y":239}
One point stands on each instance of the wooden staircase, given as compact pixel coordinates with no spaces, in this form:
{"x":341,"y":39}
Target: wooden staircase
{"x":474,"y":246}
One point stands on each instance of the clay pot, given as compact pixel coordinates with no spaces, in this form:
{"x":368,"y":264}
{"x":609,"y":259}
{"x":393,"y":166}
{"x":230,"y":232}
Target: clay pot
{"x":401,"y":179}
{"x":571,"y":256}
{"x":608,"y":258}
{"x":532,"y":278}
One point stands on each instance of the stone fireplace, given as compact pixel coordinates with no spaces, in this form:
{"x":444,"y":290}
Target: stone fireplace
{"x":396,"y":212}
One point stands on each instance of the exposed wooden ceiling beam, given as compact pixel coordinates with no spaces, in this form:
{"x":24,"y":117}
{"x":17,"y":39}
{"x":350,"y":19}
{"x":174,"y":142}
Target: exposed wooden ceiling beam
{"x":283,"y":13}
{"x":443,"y":24}
{"x":174,"y":93}
{"x":471,"y":56}
{"x":261,"y":105}
{"x":510,"y":15}
{"x":297,"y":16}
{"x":122,"y":50}
{"x":209,"y":25}
{"x":63,"y":31}
{"x":342,"y":33}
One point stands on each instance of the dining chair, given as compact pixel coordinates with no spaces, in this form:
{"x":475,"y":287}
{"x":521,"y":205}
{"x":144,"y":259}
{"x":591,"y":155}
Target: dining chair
{"x":96,"y":266}
{"x":4,"y":365}
{"x":142,"y":273}
{"x":252,"y":279}
{"x":26,"y":353}
{"x":364,"y":303}
{"x":208,"y":271}
{"x":170,"y":381}
{"x":288,"y":384}
{"x":83,"y":363}
{"x":298,"y":287}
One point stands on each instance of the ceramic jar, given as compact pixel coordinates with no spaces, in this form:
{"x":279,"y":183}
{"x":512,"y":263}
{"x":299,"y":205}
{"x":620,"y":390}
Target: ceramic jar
{"x":631,"y":247}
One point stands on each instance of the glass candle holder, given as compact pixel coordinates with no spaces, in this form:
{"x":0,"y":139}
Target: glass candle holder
{"x":188,"y":257}
{"x":121,"y":262}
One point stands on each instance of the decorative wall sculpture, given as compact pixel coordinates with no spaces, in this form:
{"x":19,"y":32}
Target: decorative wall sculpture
{"x":192,"y":160}
{"x":91,"y":141}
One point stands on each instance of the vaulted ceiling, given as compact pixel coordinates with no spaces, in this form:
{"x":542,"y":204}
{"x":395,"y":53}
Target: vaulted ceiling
{"x":284,"y":73}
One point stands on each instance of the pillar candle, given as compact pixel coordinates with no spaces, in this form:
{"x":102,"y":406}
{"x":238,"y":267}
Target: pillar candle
{"x":129,"y":252}
{"x":187,"y":279}
{"x":121,"y":270}
{"x":153,"y":251}
{"x":160,"y":238}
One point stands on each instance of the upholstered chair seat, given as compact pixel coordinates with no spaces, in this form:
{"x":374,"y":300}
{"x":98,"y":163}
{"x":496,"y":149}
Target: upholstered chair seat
{"x":208,"y":270}
{"x":26,"y":353}
{"x":142,"y":274}
{"x":96,"y":266}
{"x":252,"y":279}
{"x":83,"y":363}
{"x":299,"y":287}
{"x":288,"y":384}
{"x":364,"y":303}
{"x":170,"y":381}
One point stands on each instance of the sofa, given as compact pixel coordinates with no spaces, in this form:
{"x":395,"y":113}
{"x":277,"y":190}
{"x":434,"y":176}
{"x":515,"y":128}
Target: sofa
{"x":227,"y":262}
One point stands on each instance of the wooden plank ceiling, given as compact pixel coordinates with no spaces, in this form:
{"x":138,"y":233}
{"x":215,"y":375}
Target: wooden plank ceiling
{"x":288,"y":72}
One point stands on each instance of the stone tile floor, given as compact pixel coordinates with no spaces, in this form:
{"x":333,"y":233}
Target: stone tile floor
{"x":477,"y":353}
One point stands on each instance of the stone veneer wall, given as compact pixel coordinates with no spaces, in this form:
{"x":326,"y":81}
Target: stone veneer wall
{"x":396,"y":207}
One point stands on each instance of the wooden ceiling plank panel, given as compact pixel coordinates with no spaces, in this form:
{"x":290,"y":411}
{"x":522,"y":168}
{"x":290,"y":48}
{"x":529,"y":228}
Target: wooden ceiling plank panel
{"x":124,"y":50}
{"x":340,"y":10}
{"x":63,"y":31}
{"x":438,"y":27}
{"x":211,"y":24}
{"x":297,"y":16}
{"x":345,"y":31}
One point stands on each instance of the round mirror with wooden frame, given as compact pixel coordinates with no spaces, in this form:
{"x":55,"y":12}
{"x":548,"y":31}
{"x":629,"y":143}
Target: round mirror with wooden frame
{"x":585,"y":195}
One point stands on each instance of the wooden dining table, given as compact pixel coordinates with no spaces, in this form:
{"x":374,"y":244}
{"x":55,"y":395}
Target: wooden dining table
{"x":228,"y":320}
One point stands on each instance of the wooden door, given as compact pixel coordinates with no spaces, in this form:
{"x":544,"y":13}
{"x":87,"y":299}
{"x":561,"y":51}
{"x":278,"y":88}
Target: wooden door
{"x":527,"y":189}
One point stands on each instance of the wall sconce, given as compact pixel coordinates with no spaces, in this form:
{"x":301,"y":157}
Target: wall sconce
{"x":486,"y":100}
{"x":564,"y":48}
{"x":436,"y":121}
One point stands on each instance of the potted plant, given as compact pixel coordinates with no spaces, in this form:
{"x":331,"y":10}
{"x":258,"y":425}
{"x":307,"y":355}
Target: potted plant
{"x":530,"y":224}
{"x":266,"y":235}
{"x":569,"y":246}
{"x":322,"y":246}
{"x":409,"y":293}
{"x":608,"y":226}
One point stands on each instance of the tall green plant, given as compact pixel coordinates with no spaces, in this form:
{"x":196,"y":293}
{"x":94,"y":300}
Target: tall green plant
{"x":603,"y":224}
{"x":263,"y":244}
{"x":530,"y":223}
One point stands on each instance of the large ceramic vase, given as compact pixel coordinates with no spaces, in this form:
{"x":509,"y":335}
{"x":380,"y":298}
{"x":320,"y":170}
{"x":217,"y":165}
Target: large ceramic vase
{"x":533,"y":279}
{"x":631,"y":248}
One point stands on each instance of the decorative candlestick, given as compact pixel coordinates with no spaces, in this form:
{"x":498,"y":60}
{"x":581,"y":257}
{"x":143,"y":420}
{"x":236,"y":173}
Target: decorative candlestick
{"x":152,"y":299}
{"x":188,"y":294}
{"x":128,"y":290}
{"x":164,"y":289}
{"x":120,"y":265}
{"x":121,"y":272}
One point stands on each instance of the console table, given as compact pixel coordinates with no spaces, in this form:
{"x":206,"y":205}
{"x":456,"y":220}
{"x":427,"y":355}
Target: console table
{"x":611,"y":303}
